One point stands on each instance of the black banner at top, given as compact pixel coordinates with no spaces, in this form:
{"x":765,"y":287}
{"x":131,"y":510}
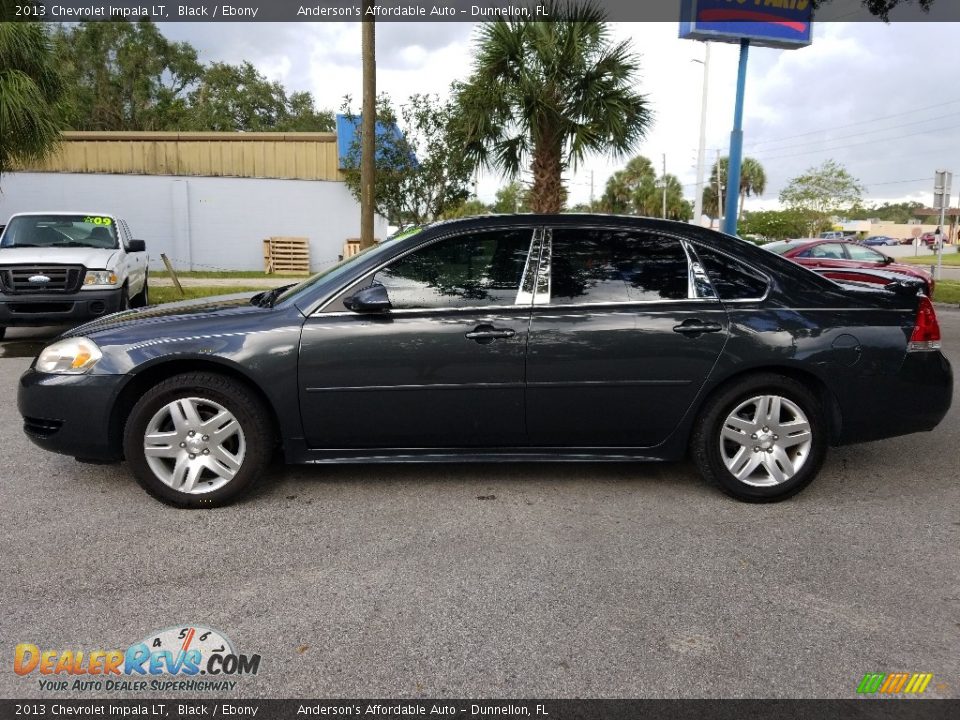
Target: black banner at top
{"x":427,"y":10}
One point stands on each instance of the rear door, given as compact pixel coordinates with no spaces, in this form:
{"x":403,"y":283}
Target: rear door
{"x":624,"y":331}
{"x":443,"y":368}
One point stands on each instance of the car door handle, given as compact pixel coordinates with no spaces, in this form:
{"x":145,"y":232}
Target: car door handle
{"x":695,"y":327}
{"x":484,"y":334}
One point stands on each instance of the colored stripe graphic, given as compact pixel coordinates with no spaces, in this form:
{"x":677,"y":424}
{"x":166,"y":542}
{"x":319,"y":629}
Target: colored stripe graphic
{"x":893,"y":683}
{"x":720,"y":14}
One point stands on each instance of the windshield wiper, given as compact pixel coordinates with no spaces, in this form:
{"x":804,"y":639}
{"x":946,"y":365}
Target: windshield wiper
{"x":269,"y":297}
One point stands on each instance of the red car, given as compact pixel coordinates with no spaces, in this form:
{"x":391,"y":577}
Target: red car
{"x":832,"y":257}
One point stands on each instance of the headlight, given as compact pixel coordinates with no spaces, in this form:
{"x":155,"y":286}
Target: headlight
{"x":99,"y":277}
{"x":73,"y":356}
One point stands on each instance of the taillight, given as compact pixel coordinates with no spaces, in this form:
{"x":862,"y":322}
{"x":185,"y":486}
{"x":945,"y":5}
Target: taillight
{"x":926,"y":331}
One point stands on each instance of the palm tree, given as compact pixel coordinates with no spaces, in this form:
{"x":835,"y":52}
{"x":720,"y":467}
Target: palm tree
{"x":550,"y":93}
{"x":624,"y":185}
{"x":368,"y":121}
{"x":31,"y":90}
{"x":753,"y":180}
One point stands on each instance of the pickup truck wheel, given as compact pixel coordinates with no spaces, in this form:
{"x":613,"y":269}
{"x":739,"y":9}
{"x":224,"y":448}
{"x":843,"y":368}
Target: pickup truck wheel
{"x":198,"y":440}
{"x":124,"y":299}
{"x":143,"y":299}
{"x":3,"y":331}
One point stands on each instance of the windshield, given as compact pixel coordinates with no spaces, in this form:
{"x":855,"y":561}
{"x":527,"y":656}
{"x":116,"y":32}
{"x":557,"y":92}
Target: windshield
{"x":93,"y":231}
{"x":341,"y":267}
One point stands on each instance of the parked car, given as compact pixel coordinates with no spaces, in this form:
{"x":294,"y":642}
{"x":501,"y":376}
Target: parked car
{"x":929,"y":239}
{"x":881,"y":240}
{"x":834,"y":257}
{"x":68,"y":267}
{"x":502,"y":338}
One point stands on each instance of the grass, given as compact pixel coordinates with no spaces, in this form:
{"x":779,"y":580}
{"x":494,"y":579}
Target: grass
{"x":204,"y":274}
{"x":952,"y":259}
{"x":947,"y":291}
{"x":159,"y":295}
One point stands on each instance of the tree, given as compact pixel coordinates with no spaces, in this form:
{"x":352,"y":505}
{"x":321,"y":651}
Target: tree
{"x":513,"y":197}
{"x":549,"y":94}
{"x":31,"y":90}
{"x":368,"y":132}
{"x":422,"y":170}
{"x":468,"y":208}
{"x":774,"y":224}
{"x":753,"y":181}
{"x":820,"y":191}
{"x":623,"y":188}
{"x":125,"y":76}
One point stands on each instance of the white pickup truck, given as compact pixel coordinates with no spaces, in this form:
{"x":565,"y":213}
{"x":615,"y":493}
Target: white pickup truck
{"x":68,"y":267}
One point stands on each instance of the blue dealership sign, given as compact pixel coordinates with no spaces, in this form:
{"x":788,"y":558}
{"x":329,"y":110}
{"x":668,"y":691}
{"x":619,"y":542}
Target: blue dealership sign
{"x":765,"y":23}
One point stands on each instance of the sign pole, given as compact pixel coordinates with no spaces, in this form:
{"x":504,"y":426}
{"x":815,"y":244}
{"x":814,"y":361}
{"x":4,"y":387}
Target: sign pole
{"x":736,"y":145}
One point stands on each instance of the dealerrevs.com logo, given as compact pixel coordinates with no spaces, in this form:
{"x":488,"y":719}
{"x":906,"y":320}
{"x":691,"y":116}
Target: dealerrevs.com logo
{"x":190,"y":658}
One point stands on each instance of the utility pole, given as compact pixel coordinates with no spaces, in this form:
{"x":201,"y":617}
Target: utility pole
{"x":664,"y":186}
{"x":368,"y":130}
{"x":591,"y":191}
{"x":701,"y":152}
{"x":736,"y":144}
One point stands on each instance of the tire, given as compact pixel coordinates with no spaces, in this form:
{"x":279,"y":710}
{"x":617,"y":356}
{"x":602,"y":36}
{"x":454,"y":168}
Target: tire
{"x":776,"y":467}
{"x":124,"y":299}
{"x":177,"y":471}
{"x":143,"y":298}
{"x":3,"y":331}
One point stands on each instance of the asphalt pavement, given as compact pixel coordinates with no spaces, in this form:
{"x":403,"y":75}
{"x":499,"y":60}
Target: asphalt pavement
{"x":519,"y":581}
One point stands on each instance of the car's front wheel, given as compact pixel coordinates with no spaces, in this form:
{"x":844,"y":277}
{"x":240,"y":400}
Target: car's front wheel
{"x":198,"y":440}
{"x":3,"y":332}
{"x":762,"y":439}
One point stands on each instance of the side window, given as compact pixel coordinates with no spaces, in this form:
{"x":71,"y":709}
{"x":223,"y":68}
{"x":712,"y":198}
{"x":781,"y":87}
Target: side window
{"x":731,"y":279}
{"x":610,"y":265}
{"x":482,"y":268}
{"x":832,"y":251}
{"x":865,"y":254}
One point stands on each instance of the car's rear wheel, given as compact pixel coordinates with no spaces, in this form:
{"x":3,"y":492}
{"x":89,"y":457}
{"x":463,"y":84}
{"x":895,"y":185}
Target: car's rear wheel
{"x":198,"y":440}
{"x":761,"y":439}
{"x":3,"y":331}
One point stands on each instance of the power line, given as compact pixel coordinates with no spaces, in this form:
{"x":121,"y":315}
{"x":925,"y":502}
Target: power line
{"x":853,"y":124}
{"x":861,"y":133}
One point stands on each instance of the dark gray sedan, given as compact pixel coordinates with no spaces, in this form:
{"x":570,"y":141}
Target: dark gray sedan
{"x":511,"y":338}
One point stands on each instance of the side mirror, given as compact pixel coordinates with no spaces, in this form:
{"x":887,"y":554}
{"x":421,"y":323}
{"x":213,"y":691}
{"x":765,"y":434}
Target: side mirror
{"x":371,"y":299}
{"x":887,"y":259}
{"x":137,"y":246}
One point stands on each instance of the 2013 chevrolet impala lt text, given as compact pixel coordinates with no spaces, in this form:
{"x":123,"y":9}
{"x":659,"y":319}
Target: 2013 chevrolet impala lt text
{"x":568,"y":337}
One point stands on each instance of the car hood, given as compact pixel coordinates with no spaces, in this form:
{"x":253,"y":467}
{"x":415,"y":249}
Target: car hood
{"x":97,"y":258}
{"x":211,"y":307}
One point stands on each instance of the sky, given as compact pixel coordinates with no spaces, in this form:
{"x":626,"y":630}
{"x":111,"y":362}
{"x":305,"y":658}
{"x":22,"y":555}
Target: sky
{"x":883,"y":100}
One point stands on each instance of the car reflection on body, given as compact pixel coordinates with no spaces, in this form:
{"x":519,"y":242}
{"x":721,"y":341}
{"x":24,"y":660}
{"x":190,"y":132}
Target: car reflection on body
{"x":832,"y":258}
{"x":502,"y":338}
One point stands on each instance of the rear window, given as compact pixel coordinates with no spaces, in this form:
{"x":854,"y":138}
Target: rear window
{"x":731,"y":279}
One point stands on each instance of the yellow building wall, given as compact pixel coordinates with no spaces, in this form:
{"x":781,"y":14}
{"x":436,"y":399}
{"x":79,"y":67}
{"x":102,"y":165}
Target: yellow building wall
{"x":293,"y":156}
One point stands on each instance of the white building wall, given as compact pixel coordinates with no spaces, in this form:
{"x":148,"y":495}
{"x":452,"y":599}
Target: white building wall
{"x":201,"y":223}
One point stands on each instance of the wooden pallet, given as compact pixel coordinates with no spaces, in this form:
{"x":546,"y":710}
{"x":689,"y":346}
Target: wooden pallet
{"x":289,"y":255}
{"x":351,"y":247}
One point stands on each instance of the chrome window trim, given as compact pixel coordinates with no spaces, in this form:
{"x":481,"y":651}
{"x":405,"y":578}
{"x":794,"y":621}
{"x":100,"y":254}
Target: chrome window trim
{"x":741,"y":261}
{"x":322,"y":304}
{"x":695,"y":272}
{"x":527,"y":291}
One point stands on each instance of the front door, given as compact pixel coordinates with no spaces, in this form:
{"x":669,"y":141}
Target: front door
{"x":622,"y":337}
{"x":442,"y":368}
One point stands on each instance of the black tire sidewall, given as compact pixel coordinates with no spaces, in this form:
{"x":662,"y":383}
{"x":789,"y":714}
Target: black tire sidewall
{"x":230,"y":394}
{"x":706,"y":450}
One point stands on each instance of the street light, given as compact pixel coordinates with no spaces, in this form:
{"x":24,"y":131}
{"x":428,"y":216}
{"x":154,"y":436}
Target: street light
{"x":698,"y":201}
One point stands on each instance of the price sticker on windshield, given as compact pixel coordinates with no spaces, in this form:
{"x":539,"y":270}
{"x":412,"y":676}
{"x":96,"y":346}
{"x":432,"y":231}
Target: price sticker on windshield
{"x":98,"y":220}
